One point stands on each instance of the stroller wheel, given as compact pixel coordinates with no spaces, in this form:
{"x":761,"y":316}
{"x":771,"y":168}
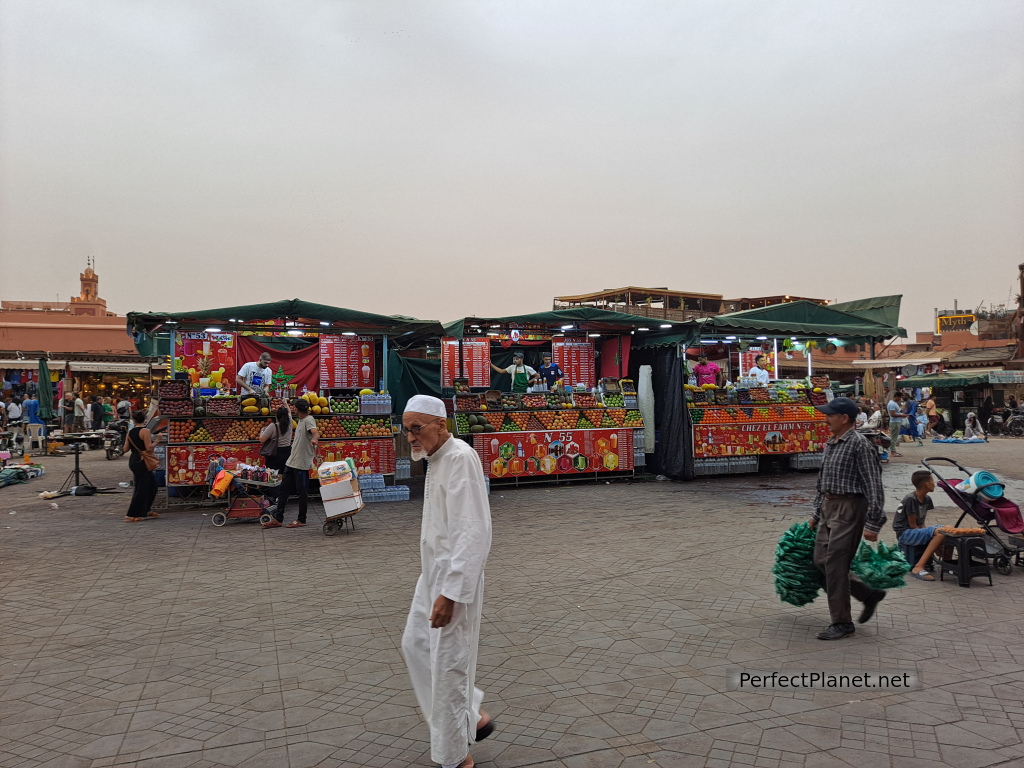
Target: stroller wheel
{"x":1003,"y":565}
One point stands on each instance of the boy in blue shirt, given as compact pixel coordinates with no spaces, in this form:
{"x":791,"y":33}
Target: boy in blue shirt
{"x":908,"y":523}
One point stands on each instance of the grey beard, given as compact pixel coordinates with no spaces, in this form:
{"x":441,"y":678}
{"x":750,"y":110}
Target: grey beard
{"x":418,"y":454}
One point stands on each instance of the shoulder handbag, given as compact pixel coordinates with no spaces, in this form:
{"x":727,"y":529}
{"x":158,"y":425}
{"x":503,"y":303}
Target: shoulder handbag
{"x":269,"y":449}
{"x":148,"y":457}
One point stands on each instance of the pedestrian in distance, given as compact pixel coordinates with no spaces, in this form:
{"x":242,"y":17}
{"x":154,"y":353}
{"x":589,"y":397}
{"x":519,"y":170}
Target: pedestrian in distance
{"x":897,"y":420}
{"x":79,"y":412}
{"x":305,"y":440}
{"x":140,"y":439}
{"x":849,"y":505}
{"x":442,"y":632}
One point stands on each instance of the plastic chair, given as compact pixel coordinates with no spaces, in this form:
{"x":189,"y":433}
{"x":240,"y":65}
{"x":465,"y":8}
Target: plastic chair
{"x":35,"y":437}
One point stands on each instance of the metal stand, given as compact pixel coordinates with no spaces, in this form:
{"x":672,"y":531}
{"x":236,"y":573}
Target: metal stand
{"x":77,"y":475}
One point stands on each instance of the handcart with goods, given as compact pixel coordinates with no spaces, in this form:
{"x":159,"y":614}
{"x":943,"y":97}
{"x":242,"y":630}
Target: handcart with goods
{"x":980,"y":495}
{"x":246,"y":498}
{"x":339,"y":491}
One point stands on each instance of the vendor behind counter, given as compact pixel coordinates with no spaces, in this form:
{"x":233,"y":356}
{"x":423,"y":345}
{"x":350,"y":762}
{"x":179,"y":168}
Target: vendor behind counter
{"x":522,"y":375}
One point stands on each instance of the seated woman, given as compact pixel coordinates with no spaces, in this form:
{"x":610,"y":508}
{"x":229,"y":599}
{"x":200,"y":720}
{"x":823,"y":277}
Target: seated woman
{"x":972,"y":428}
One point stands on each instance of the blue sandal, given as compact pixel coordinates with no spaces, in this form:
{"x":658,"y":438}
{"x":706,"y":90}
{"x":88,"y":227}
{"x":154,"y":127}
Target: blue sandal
{"x":923,"y":575}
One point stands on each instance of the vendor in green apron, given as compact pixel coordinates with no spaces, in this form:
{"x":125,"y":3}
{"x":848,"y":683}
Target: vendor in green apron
{"x":522,"y":375}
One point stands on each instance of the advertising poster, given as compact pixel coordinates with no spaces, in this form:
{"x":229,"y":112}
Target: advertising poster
{"x":759,"y":439}
{"x":208,"y":358}
{"x":537,"y":454}
{"x":374,"y":456}
{"x":347,"y":362}
{"x":476,"y":361}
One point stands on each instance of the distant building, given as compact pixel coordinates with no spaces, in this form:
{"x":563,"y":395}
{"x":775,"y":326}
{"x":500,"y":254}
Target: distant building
{"x":88,"y":346}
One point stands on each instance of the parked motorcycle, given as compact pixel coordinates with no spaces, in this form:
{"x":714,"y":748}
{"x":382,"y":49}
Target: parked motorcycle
{"x":113,"y":438}
{"x":1015,"y":424}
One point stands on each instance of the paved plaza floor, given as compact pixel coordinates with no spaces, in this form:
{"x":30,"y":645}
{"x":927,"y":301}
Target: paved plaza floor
{"x":613,"y":614}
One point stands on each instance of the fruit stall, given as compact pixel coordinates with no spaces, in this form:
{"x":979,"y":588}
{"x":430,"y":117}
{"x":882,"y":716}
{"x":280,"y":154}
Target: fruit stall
{"x":328,"y":356}
{"x":588,"y":425}
{"x":730,"y":429}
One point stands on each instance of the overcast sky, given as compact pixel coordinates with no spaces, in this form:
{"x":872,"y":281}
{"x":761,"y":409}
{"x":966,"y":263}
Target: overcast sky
{"x":441,"y":159}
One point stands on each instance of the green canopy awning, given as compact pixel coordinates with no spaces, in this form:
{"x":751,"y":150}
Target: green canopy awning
{"x":804,"y":318}
{"x":249,"y":316}
{"x":880,"y":309}
{"x":587,"y":318}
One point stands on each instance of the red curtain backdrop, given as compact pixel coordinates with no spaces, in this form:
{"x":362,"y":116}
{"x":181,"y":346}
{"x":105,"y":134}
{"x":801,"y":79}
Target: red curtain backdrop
{"x":304,"y":365}
{"x":611,"y":366}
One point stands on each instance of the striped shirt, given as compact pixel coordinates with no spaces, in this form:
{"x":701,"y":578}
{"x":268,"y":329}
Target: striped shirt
{"x":850,"y":465}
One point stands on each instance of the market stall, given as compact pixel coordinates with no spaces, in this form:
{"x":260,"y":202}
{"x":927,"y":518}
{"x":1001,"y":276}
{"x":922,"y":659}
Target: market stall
{"x":731,"y":425}
{"x":959,"y":392}
{"x":579,"y":415}
{"x":336,"y":359}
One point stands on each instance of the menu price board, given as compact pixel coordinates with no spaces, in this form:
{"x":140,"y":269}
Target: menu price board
{"x":208,"y":358}
{"x":575,"y":356}
{"x":347,"y":362}
{"x":759,"y":439}
{"x":373,"y":456}
{"x":476,"y":361}
{"x":187,"y":464}
{"x":568,"y":452}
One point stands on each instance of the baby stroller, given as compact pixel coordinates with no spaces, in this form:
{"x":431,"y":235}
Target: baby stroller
{"x":1000,"y":517}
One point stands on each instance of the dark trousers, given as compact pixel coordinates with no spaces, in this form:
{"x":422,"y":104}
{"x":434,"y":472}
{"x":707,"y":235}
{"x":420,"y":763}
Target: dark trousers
{"x":296,"y":481}
{"x":839,"y":534}
{"x":144,"y":492}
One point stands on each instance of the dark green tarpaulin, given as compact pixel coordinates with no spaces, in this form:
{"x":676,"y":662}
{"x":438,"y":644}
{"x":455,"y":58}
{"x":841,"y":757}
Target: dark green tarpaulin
{"x":408,"y":376}
{"x":587,"y":318}
{"x":292,"y":308}
{"x":880,"y":309}
{"x":945,"y":380}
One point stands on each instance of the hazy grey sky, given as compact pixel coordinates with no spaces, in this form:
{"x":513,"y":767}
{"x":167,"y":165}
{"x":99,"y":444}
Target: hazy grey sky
{"x":448,"y":158}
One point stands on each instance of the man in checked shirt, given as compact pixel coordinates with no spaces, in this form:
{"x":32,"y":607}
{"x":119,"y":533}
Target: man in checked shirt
{"x":848,"y":505}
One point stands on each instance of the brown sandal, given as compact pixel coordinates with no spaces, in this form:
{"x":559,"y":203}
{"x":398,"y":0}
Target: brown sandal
{"x":133,"y":519}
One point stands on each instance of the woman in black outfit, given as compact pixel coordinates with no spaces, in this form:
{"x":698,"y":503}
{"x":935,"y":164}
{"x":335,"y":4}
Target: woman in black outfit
{"x":138,"y":440}
{"x":280,"y":430}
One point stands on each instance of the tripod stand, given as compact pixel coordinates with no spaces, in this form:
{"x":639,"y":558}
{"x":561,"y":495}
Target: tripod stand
{"x":77,"y":475}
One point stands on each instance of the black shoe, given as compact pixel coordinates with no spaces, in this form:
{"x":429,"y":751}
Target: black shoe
{"x":870,"y":604}
{"x":837,"y":632}
{"x":485,"y":730}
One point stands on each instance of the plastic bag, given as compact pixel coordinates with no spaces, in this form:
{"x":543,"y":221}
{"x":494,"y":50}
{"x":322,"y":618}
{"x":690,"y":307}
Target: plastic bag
{"x":881,"y":568}
{"x":797,"y":581}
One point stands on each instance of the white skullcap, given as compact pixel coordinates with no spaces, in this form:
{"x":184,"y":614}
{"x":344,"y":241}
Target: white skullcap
{"x":425,"y":404}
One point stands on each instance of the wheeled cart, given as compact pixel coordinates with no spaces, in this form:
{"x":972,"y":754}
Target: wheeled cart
{"x":246,"y":501}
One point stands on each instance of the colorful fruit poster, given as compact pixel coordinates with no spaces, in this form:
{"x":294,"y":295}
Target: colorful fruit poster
{"x":375,"y":456}
{"x":476,"y":361}
{"x":759,"y":439}
{"x":187,"y":464}
{"x":208,"y":358}
{"x":539,"y":454}
{"x":347,"y":362}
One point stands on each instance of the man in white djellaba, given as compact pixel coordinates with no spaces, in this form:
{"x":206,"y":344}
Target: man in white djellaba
{"x":442,"y":633}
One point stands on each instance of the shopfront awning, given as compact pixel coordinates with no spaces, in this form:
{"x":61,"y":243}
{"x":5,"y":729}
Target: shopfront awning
{"x":25,"y":365}
{"x":92,"y":366}
{"x":880,"y":309}
{"x":950,"y":380}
